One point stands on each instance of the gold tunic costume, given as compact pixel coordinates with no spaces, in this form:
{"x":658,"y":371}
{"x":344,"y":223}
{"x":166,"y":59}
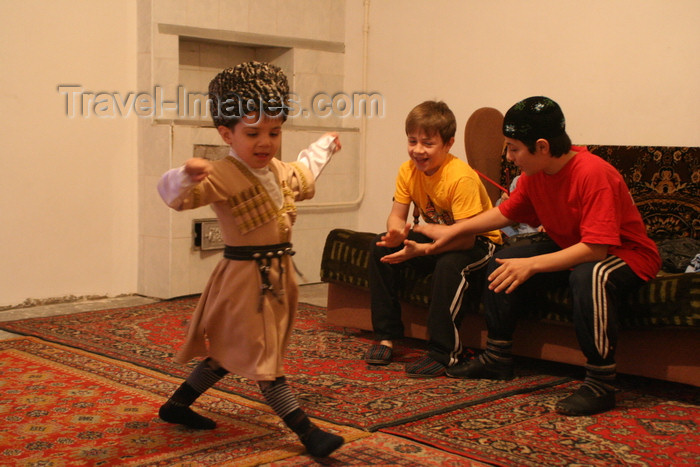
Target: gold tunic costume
{"x":245,"y":331}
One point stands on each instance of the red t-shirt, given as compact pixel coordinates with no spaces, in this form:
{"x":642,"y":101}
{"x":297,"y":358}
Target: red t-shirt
{"x":586,"y":201}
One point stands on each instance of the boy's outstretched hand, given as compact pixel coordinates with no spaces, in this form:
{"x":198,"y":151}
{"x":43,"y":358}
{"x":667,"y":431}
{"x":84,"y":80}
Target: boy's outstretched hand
{"x":410,"y":250}
{"x":440,"y":233}
{"x":335,"y":145}
{"x":198,"y":169}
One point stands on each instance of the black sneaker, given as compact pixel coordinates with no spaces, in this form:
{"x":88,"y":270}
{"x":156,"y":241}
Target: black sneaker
{"x":585,"y":402}
{"x":476,"y":369}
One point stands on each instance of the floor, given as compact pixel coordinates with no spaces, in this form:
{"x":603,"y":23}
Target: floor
{"x":314,"y":294}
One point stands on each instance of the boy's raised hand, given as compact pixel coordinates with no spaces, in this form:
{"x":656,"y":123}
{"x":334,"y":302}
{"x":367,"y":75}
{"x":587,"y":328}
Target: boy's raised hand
{"x":393,"y":237}
{"x":198,"y":169}
{"x":336,"y":141}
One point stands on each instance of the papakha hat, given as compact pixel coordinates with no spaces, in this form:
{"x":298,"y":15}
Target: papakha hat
{"x":248,"y":87}
{"x":534,"y":118}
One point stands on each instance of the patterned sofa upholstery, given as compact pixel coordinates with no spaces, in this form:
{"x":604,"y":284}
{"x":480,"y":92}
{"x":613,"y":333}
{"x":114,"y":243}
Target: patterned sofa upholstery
{"x":665,"y":183}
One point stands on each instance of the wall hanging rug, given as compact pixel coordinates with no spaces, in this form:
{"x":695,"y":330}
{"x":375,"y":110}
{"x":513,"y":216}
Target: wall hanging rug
{"x":324,"y":363}
{"x":63,"y":406}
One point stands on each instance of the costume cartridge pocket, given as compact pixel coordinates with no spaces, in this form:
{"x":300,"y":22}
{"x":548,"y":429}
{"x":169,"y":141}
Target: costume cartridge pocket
{"x":251,"y":208}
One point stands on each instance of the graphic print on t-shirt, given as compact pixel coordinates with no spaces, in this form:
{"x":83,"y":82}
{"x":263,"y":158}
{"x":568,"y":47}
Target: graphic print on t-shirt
{"x":433,"y":216}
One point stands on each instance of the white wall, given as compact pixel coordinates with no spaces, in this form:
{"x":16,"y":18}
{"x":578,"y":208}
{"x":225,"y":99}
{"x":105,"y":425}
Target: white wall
{"x":310,"y":38}
{"x":68,"y":191}
{"x":624,"y":72}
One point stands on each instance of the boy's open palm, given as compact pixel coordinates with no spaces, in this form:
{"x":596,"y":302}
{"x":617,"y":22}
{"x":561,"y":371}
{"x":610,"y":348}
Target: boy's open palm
{"x":410,"y":250}
{"x":198,"y":169}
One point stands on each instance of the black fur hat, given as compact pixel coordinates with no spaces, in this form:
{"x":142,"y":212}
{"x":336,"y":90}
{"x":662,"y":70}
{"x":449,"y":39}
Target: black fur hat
{"x":248,"y":87}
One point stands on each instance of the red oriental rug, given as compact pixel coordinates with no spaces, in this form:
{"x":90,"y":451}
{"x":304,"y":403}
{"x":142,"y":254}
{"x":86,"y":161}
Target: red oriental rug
{"x":61,"y":406}
{"x":381,"y":449}
{"x":654,"y":424}
{"x":324,"y":364}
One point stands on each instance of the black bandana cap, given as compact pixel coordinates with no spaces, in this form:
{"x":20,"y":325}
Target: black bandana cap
{"x":534,"y":118}
{"x":248,"y":87}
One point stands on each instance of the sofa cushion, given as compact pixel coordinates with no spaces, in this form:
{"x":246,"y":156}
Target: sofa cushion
{"x":677,"y":253}
{"x":671,"y":300}
{"x":345,"y":259}
{"x":668,"y":300}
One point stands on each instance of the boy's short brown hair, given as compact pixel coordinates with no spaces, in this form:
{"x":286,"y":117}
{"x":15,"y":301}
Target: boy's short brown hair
{"x":432,"y":117}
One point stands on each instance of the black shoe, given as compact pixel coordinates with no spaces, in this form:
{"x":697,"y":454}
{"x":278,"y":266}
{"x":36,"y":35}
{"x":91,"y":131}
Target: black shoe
{"x":320,"y":443}
{"x":476,"y":369}
{"x":185,"y":416}
{"x":585,"y":402}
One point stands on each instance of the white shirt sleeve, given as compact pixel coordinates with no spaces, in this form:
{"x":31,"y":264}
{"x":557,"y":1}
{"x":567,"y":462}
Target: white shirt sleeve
{"x":173,"y":184}
{"x":318,"y":154}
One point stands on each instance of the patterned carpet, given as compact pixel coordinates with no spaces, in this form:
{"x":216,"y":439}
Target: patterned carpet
{"x":88,"y":395}
{"x":64,"y":407}
{"x":324,"y":364}
{"x":654,"y":424}
{"x":385,"y":450}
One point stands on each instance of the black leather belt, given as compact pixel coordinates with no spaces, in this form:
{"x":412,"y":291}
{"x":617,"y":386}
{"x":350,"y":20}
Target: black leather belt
{"x":248,"y":253}
{"x":263,"y":256}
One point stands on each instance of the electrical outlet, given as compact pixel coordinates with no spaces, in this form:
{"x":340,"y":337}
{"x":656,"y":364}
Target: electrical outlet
{"x":206,"y":234}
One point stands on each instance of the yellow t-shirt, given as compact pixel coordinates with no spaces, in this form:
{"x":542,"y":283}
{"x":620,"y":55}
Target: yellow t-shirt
{"x":452,"y":193}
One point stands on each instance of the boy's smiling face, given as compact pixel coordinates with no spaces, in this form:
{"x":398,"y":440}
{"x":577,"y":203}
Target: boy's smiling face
{"x":255,"y":140}
{"x":428,"y":152}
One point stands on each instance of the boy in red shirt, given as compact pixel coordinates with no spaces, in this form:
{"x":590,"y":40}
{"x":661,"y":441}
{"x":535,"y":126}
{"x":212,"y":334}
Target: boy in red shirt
{"x":599,"y":247}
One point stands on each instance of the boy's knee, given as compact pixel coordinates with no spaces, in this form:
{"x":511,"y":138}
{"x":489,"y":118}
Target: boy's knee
{"x":511,"y":252}
{"x":504,"y":253}
{"x":581,"y":276}
{"x":450,"y":260}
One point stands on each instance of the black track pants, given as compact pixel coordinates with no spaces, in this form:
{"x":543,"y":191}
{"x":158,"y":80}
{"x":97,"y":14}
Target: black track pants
{"x":456,"y":284}
{"x":597,"y":292}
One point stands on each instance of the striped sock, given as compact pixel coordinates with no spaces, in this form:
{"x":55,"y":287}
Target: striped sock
{"x":497,"y":353}
{"x":204,"y":376}
{"x":177,"y":408}
{"x":279,"y":396}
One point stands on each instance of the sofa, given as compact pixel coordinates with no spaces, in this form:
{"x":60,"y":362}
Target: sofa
{"x":659,"y":328}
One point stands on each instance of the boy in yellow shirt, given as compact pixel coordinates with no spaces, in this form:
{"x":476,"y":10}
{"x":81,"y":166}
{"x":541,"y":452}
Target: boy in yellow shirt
{"x":446,"y":190}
